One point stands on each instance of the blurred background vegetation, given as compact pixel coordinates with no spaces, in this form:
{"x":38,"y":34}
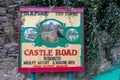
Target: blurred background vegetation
{"x":101,"y":16}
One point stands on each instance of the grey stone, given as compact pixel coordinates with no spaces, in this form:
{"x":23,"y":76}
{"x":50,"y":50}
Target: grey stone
{"x":4,"y":24}
{"x":10,"y":33}
{"x":13,"y":55}
{"x":2,"y":39}
{"x":10,"y":45}
{"x":3,"y":18}
{"x":1,"y":30}
{"x":8,"y":29}
{"x":28,"y":79}
{"x":16,"y":22}
{"x":21,"y":2}
{"x":11,"y":20}
{"x":10,"y":16}
{"x":104,"y":65}
{"x":2,"y":53}
{"x":9,"y":2}
{"x":115,"y":51}
{"x":13,"y":48}
{"x":13,"y":6}
{"x":3,"y":11}
{"x":11,"y":23}
{"x":2,"y":3}
{"x":11,"y":10}
{"x":9,"y":70}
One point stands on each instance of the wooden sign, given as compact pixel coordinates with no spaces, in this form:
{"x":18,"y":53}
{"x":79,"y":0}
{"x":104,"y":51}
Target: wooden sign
{"x":51,"y":39}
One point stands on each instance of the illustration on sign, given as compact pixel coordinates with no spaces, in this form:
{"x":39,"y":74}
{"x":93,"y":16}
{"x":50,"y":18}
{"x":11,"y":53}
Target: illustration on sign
{"x":51,"y":40}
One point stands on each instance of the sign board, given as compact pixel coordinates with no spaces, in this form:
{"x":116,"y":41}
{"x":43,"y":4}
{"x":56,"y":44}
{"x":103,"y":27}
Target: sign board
{"x":51,"y":39}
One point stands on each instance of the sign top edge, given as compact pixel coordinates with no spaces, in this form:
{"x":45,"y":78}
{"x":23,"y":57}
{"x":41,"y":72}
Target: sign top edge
{"x":48,"y":9}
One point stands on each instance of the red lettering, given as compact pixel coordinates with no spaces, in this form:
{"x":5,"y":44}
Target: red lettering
{"x":26,"y":52}
{"x":57,"y":52}
{"x":36,"y":52}
{"x":50,"y":53}
{"x":63,"y":52}
{"x":31,"y":52}
{"x":41,"y":52}
{"x":74,"y":52}
{"x":68,"y":52}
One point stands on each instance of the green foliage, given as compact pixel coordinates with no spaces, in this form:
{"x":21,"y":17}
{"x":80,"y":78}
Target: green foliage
{"x":100,"y":15}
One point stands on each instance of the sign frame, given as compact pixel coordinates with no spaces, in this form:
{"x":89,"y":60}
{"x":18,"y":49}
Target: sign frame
{"x":52,"y":69}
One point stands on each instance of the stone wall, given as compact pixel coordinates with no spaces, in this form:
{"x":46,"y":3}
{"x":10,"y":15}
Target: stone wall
{"x":9,"y":10}
{"x":8,"y":28}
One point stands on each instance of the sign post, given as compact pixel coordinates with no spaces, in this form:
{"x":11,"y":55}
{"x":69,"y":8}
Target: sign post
{"x":32,"y":76}
{"x":70,"y":76}
{"x":51,"y":40}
